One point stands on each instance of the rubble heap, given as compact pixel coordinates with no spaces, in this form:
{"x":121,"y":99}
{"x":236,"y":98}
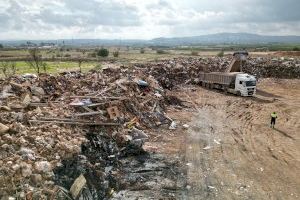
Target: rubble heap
{"x":54,"y":128}
{"x":61,"y":133}
{"x":186,"y":70}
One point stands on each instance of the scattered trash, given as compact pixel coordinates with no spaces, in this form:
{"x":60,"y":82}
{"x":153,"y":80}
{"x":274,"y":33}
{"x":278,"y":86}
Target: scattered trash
{"x":211,"y":187}
{"x":82,"y":102}
{"x":113,"y":112}
{"x":143,"y":83}
{"x":3,"y":128}
{"x":217,"y":141}
{"x":29,"y":76}
{"x":207,"y":148}
{"x":173,"y":125}
{"x":186,"y":126}
{"x":77,"y":186}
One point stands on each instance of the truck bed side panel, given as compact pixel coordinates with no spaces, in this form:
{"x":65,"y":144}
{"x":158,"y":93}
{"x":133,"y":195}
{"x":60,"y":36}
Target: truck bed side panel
{"x":218,"y":78}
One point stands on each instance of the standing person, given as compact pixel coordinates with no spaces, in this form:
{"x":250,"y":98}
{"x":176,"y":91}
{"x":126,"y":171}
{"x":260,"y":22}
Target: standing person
{"x":273,"y":119}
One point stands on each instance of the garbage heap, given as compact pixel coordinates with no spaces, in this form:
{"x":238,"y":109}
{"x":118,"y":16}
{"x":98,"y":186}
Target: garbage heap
{"x":185,"y":70}
{"x":64,"y":136}
{"x":55,"y":130}
{"x":273,"y":67}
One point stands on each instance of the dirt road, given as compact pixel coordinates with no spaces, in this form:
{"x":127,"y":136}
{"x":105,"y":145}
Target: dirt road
{"x":229,"y":151}
{"x":232,"y":153}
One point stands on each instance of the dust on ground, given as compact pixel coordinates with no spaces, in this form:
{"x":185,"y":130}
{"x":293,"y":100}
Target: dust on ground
{"x":229,"y":151}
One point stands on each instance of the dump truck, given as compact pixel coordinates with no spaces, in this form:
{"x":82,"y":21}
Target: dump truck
{"x":233,"y":80}
{"x":238,"y":83}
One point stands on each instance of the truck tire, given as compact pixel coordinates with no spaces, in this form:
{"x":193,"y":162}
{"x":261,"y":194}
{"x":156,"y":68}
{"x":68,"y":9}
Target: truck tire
{"x":238,"y":93}
{"x":203,"y":84}
{"x":225,"y":90}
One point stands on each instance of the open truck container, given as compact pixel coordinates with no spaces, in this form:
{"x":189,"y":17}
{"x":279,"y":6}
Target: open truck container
{"x":236,"y":82}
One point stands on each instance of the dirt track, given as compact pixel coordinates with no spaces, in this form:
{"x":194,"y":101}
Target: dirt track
{"x":229,"y":151}
{"x":232,"y":153}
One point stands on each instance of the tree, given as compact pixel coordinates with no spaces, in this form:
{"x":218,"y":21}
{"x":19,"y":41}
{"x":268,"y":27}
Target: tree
{"x":220,"y":54}
{"x":103,"y":52}
{"x":79,"y":61}
{"x":142,"y":51}
{"x":8,"y":68}
{"x":116,"y":54}
{"x":1,"y":46}
{"x":45,"y":67}
{"x":35,"y":60}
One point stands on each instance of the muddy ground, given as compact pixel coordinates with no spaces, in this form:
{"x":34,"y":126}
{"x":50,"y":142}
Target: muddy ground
{"x":228,"y":151}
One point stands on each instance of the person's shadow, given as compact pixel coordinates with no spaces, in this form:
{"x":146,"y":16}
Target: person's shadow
{"x":284,"y":133}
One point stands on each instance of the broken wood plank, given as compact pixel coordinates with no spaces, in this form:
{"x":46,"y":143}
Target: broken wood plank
{"x":76,"y":123}
{"x":61,"y":119}
{"x":103,"y":103}
{"x":89,"y":113}
{"x":36,"y":104}
{"x":95,"y":97}
{"x":87,"y":109}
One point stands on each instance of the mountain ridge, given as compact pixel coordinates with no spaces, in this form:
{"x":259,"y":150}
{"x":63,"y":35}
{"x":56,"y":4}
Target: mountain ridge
{"x":216,"y":38}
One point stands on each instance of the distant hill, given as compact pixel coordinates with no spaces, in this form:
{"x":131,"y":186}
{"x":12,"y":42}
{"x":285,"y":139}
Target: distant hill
{"x":226,"y":38}
{"x":219,"y":38}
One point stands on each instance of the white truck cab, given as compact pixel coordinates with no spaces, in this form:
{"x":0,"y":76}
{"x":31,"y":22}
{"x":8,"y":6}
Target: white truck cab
{"x":245,"y":84}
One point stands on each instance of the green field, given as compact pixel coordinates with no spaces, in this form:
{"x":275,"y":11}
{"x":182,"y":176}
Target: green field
{"x":64,"y":59}
{"x":56,"y":67}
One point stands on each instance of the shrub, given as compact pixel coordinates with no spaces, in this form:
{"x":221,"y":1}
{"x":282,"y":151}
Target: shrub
{"x":92,"y":55}
{"x":8,"y":68}
{"x":103,"y":52}
{"x":68,"y":55}
{"x":160,"y":51}
{"x":116,"y":54}
{"x":1,"y":46}
{"x":98,"y":67}
{"x":220,"y":54}
{"x":195,"y":53}
{"x":142,"y":51}
{"x":296,"y":49}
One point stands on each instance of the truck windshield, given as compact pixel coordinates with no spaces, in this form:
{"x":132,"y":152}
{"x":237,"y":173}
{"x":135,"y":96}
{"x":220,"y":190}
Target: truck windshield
{"x":250,"y":83}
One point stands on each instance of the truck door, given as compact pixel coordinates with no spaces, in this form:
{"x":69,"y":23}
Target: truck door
{"x":239,"y":86}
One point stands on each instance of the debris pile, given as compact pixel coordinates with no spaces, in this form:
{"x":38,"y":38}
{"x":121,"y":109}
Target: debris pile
{"x":70,"y":135}
{"x":185,"y":70}
{"x":273,"y":68}
{"x":55,"y":128}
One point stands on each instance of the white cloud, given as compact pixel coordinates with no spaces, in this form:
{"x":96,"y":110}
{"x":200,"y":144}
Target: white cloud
{"x":44,"y":19}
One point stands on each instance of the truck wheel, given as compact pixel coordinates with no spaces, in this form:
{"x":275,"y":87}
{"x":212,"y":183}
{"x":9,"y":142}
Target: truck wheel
{"x":239,"y":93}
{"x":225,"y":91}
{"x":203,"y":84}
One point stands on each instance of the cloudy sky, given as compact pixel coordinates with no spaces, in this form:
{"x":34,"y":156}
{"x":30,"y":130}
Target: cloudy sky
{"x":145,"y":19}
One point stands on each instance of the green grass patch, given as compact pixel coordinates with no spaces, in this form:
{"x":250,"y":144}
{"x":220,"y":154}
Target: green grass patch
{"x":56,"y":67}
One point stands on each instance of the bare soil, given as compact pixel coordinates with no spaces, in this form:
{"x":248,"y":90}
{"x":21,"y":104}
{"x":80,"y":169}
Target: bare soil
{"x":229,"y":150}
